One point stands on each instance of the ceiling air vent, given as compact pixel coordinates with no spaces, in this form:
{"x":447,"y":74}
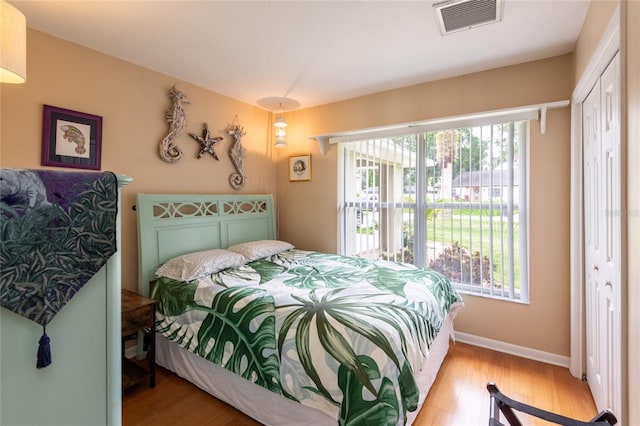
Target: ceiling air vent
{"x":458,"y":15}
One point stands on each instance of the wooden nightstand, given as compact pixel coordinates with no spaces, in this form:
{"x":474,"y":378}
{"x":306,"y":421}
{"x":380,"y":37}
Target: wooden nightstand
{"x":138,"y":314}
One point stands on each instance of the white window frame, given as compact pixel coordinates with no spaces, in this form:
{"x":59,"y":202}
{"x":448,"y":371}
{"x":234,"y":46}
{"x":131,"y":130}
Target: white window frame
{"x":526,"y":113}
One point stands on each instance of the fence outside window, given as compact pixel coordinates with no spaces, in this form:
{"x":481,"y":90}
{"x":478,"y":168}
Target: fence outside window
{"x":453,"y":200}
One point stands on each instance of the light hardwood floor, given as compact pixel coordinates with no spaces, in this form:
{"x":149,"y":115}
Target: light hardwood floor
{"x":458,"y":397}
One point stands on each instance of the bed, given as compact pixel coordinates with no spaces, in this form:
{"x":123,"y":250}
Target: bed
{"x":284,"y":334}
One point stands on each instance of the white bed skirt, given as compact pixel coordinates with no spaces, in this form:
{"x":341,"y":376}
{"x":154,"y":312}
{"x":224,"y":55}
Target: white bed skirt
{"x":268,"y":407}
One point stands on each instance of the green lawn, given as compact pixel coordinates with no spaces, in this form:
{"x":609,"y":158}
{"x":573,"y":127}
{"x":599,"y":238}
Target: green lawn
{"x":467,"y":227}
{"x":472,"y":233}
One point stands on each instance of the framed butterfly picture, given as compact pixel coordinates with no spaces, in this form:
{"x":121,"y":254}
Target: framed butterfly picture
{"x":71,"y":138}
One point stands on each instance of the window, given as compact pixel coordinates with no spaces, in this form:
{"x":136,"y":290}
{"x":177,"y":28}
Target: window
{"x":450,"y":199}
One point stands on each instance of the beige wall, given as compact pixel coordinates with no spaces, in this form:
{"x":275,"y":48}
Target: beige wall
{"x":308,"y":210}
{"x":132,"y":101}
{"x":595,"y":23}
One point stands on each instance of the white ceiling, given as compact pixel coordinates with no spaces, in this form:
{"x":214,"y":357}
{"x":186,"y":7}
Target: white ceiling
{"x":314,"y":52}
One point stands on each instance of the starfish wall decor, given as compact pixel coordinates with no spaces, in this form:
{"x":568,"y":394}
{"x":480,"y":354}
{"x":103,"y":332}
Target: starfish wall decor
{"x":207,"y":143}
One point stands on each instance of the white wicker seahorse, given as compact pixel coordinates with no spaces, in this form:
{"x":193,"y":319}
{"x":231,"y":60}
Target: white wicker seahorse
{"x":177,"y":119}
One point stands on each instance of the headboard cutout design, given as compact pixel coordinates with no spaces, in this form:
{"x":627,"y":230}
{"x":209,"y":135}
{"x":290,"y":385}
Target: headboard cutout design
{"x":174,"y":209}
{"x":173,"y":224}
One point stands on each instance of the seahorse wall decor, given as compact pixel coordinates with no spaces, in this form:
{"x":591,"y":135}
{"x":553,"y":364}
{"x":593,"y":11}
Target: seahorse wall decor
{"x":237,"y":152}
{"x":177,"y":119}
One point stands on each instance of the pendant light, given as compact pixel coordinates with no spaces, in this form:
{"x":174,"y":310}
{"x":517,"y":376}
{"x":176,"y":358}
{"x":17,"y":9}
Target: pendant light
{"x":277,"y":106}
{"x":281,"y":128}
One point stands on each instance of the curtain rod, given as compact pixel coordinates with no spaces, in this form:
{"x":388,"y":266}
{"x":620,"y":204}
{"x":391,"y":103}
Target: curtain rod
{"x":540,"y":110}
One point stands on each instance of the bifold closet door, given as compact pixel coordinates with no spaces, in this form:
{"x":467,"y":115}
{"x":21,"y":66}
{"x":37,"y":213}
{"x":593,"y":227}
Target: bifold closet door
{"x":603,"y":239}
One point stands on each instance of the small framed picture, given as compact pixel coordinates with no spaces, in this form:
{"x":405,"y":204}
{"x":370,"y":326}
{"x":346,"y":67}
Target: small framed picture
{"x":71,"y":138}
{"x":300,"y":167}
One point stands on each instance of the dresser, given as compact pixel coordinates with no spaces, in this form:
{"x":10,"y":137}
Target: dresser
{"x":82,"y":386}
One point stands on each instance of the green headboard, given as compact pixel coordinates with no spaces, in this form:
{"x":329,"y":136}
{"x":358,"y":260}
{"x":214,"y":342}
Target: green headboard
{"x":173,"y":224}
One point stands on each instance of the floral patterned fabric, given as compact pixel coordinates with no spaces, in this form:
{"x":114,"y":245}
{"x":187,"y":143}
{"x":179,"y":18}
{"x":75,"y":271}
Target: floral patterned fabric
{"x":344,"y":335}
{"x":57,"y":229}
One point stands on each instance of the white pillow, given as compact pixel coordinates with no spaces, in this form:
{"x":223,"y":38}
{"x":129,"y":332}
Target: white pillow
{"x":190,"y":266}
{"x":258,"y":249}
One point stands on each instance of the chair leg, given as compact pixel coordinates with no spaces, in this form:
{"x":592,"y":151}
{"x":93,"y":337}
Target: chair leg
{"x":605,"y":416}
{"x":501,"y":403}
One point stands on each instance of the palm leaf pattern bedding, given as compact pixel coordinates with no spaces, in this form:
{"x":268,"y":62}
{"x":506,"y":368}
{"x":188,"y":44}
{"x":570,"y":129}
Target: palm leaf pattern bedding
{"x":344,"y":335}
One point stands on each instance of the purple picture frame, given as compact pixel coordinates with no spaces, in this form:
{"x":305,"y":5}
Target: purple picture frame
{"x":71,"y":138}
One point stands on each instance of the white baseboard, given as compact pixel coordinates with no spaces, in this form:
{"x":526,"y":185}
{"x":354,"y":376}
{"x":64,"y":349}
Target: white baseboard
{"x":131,"y":351}
{"x":135,"y":351}
{"x":508,"y":348}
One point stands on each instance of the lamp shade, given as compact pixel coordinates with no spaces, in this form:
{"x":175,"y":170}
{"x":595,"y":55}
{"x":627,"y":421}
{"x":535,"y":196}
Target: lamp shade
{"x":280,"y":121}
{"x":278,"y":106}
{"x":13,"y":44}
{"x":281,"y":130}
{"x":281,"y":136}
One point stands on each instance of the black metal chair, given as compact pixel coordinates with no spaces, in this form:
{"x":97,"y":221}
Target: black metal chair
{"x":500,"y":403}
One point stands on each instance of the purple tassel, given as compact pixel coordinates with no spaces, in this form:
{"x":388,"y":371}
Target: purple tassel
{"x":44,"y":350}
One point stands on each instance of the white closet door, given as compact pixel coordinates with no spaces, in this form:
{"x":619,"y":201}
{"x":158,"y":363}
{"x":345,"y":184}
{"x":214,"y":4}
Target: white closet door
{"x":602,"y":180}
{"x":592,"y":224}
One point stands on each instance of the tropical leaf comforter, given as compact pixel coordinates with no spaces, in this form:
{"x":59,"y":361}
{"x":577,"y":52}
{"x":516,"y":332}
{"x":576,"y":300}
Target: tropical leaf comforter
{"x":344,"y":335}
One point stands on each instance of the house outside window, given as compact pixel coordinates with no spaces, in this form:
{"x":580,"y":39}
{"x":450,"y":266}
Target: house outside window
{"x":453,"y":200}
